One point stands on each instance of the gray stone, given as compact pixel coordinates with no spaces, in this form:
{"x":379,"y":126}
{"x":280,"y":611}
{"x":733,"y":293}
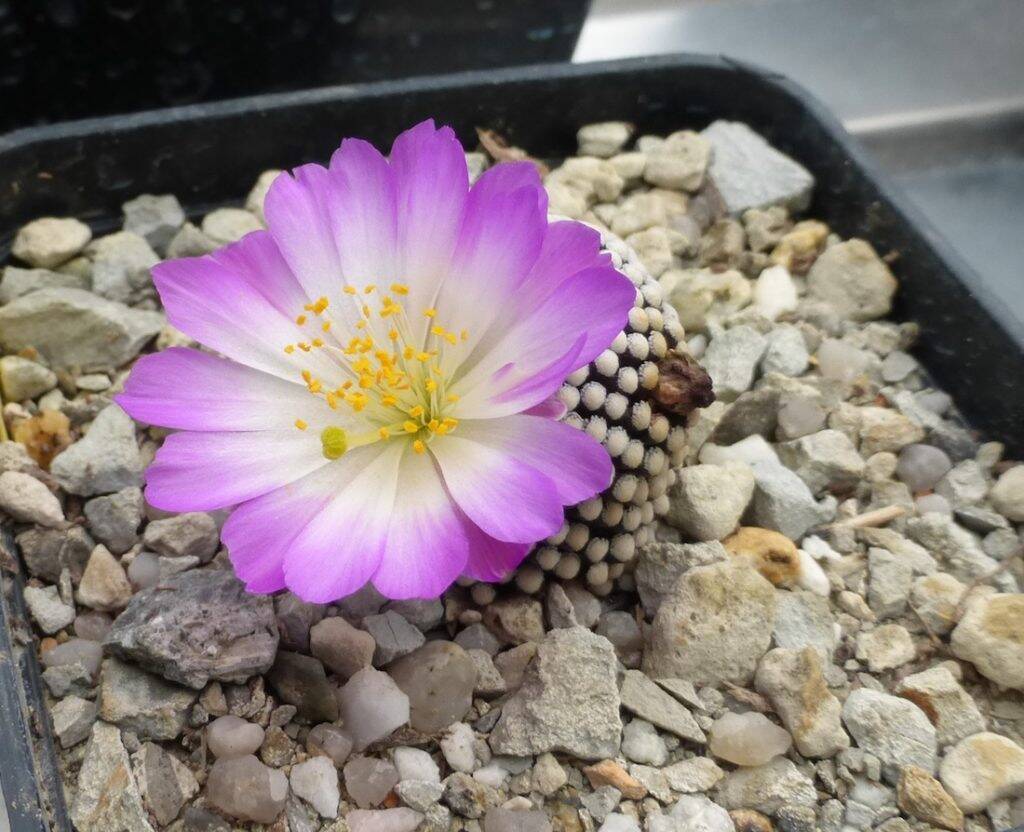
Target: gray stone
{"x":393,"y":636}
{"x":731,"y":360}
{"x":423,"y":613}
{"x":766,"y":788}
{"x":824,"y":460}
{"x":885,"y":647}
{"x":679,"y":163}
{"x":515,"y":619}
{"x":622,"y":630}
{"x":295,"y":617}
{"x":114,"y":519}
{"x":891,"y":580}
{"x":644,"y":698}
{"x":69,"y":679}
{"x":715,"y":627}
{"x":369,"y":781}
{"x":795,"y":685}
{"x":981,"y":769}
{"x":74,"y":328}
{"x":804,"y":619}
{"x":950,"y":708}
{"x":576,"y":713}
{"x":1007,"y":495}
{"x":438,"y":678}
{"x":17,"y":282}
{"x":316,"y":782}
{"x":26,"y":500}
{"x":157,"y":218}
{"x":330,"y":741}
{"x":143,"y":703}
{"x":401,"y":819}
{"x":697,"y":774}
{"x":47,"y":610}
{"x":22,"y":379}
{"x":166,"y":784}
{"x":854,"y":280}
{"x":107,"y":798}
{"x":120,"y":267}
{"x":228,"y":225}
{"x":478,"y":637}
{"x":190,"y":242}
{"x":756,"y":411}
{"x":300,"y":681}
{"x":603,"y":139}
{"x":896,"y":731}
{"x":245,"y":789}
{"x":913,"y":554}
{"x":372,"y":706}
{"x":786,"y":352}
{"x":783,"y":502}
{"x":747,"y":172}
{"x":50,"y":241}
{"x":75,"y":651}
{"x":964,"y":484}
{"x":340,"y":646}
{"x":104,"y":585}
{"x":659,"y":566}
{"x":196,"y":626}
{"x":707,"y":501}
{"x":419,"y":794}
{"x":46,"y":552}
{"x":989,"y":637}
{"x":193,"y":534}
{"x":73,"y":718}
{"x":106,"y":459}
{"x":956,"y":548}
{"x":468,"y":797}
{"x":231,"y":736}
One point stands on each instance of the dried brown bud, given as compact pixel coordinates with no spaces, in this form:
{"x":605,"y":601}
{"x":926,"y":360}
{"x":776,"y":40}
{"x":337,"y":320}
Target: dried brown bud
{"x":683,"y":385}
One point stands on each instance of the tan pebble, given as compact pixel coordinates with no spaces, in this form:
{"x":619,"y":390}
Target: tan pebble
{"x":610,"y":773}
{"x":771,"y":553}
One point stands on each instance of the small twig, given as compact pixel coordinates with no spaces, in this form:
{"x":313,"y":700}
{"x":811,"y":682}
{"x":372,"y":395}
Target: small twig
{"x":748,"y":697}
{"x":870,"y":519}
{"x":500,"y":150}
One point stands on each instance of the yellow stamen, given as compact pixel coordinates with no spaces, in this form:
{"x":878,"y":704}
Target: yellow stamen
{"x":430,"y":313}
{"x":300,"y":320}
{"x":419,"y":447}
{"x":350,"y":290}
{"x":289,"y":348}
{"x":399,"y":288}
{"x":300,"y":424}
{"x":410,"y":427}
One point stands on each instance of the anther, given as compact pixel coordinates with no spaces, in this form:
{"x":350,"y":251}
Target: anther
{"x":300,"y":424}
{"x":419,"y":447}
{"x":334,"y":441}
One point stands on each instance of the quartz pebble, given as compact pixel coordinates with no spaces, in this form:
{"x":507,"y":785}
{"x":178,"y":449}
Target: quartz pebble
{"x":371,"y":707}
{"x":747,"y":739}
{"x":47,"y":610}
{"x":896,"y":731}
{"x":316,"y":781}
{"x":392,"y":635}
{"x":330,"y":741}
{"x":229,"y":736}
{"x":1007,"y":495}
{"x":245,"y":789}
{"x":369,"y":780}
{"x":981,"y":769}
{"x":885,"y":647}
{"x":438,"y":678}
{"x":50,"y":241}
{"x":989,"y":637}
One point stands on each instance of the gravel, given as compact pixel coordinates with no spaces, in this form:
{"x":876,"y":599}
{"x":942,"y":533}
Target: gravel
{"x":758,"y":608}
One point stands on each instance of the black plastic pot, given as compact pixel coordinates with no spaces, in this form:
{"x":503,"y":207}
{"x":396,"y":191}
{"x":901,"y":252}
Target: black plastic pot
{"x":64,"y":59}
{"x":211,"y":154}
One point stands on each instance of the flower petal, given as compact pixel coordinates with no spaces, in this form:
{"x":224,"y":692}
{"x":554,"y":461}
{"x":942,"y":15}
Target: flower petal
{"x":574,"y":461}
{"x":432,"y":182}
{"x":191,"y":390}
{"x":506,"y":497}
{"x":258,"y":533}
{"x":427,"y":545}
{"x":588,"y":309}
{"x":491,"y":559}
{"x":569,"y":247}
{"x":240,"y":301}
{"x":500,"y":238}
{"x":338,"y":551}
{"x":202,"y":471}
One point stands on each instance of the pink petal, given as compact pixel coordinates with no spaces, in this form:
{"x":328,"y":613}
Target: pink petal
{"x":491,"y":559}
{"x":589,"y":309}
{"x":338,"y":551}
{"x":506,"y":497}
{"x":575,"y":462}
{"x":240,"y":301}
{"x":432,"y":182}
{"x":203,"y":471}
{"x":258,"y":533}
{"x":499,"y":241}
{"x":569,"y":247}
{"x":507,"y":177}
{"x":427,"y":546}
{"x":192,"y":390}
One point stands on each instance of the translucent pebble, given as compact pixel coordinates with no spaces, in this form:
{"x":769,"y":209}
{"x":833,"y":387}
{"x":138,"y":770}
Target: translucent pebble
{"x":416,"y":764}
{"x":75,"y":651}
{"x":369,"y":781}
{"x":401,"y":819}
{"x":372,"y":706}
{"x":933,"y":503}
{"x":920,"y":467}
{"x":144,"y":570}
{"x":92,"y":625}
{"x":749,"y":739}
{"x":839,"y":360}
{"x":316,"y":782}
{"x":329,"y":741}
{"x":245,"y":789}
{"x":230,"y":736}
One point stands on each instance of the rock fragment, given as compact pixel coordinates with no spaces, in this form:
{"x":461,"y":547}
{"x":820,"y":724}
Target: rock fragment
{"x":707,"y":501}
{"x":143,"y":703}
{"x":245,"y":789}
{"x":981,"y":769}
{"x":438,"y":678}
{"x":371,"y":707}
{"x":950,"y":708}
{"x":854,"y":280}
{"x":747,"y":739}
{"x":105,"y":460}
{"x":48,"y":242}
{"x":893,"y":729}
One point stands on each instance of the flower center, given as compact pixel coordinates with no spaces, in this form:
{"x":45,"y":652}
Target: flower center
{"x":396,"y":381}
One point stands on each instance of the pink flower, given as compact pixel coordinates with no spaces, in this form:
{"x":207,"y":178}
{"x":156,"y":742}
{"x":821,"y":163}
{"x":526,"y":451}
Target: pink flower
{"x":391,"y":345}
